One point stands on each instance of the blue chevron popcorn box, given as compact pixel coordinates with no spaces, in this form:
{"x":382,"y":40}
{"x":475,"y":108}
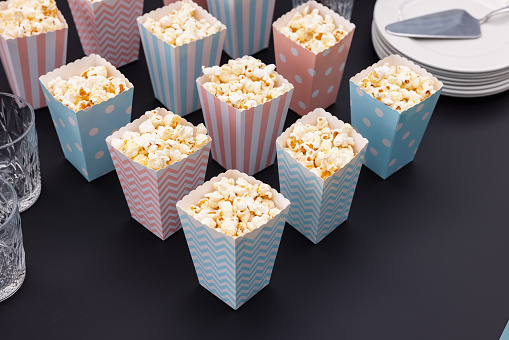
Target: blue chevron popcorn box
{"x":232,"y":268}
{"x":318,"y":206}
{"x":82,"y":134}
{"x":393,"y":137}
{"x":249,"y":24}
{"x":174,"y":69}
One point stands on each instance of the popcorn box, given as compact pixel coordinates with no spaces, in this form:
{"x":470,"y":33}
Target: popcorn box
{"x":82,"y":133}
{"x":244,"y":139}
{"x":248,"y":23}
{"x":232,"y":268}
{"x":108,"y":28}
{"x":152,"y":194}
{"x":316,"y":77}
{"x":393,"y":137}
{"x":25,"y":59}
{"x":318,"y":206}
{"x":201,"y":3}
{"x":174,"y":69}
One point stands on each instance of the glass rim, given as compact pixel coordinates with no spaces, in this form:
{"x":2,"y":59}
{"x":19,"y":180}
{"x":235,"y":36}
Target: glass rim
{"x":32,"y":115}
{"x":15,"y":199}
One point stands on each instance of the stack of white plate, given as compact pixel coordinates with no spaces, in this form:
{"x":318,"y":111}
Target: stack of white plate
{"x":467,"y":67}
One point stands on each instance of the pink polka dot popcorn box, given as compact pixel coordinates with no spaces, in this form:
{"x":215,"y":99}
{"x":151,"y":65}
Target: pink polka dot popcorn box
{"x":393,"y":136}
{"x":82,"y":133}
{"x":233,"y":268}
{"x":244,"y":139}
{"x":248,"y":23}
{"x":108,"y":28}
{"x":318,"y":206}
{"x":174,"y":69}
{"x":152,"y":194}
{"x":27,"y":58}
{"x":201,"y":3}
{"x":315,"y":76}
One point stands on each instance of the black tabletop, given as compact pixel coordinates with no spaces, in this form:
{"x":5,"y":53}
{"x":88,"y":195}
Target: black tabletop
{"x":423,"y":254}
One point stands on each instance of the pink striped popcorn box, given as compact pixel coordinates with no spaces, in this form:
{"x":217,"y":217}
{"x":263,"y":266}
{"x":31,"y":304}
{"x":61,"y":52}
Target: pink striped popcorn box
{"x":25,"y":59}
{"x":174,"y":69}
{"x":244,"y":139}
{"x":316,"y":77}
{"x":108,"y":28}
{"x":318,"y":206}
{"x":152,"y":194}
{"x":201,"y":3}
{"x":248,"y":23}
{"x":232,"y":268}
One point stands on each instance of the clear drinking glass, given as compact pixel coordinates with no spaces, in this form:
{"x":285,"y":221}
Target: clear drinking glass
{"x":342,"y":7}
{"x":12,"y":254}
{"x":19,"y":154}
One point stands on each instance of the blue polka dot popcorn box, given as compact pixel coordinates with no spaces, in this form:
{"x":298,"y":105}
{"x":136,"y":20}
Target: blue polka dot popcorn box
{"x":318,"y":206}
{"x":152,"y":194}
{"x":232,"y":268}
{"x":248,"y":23}
{"x":393,"y":137}
{"x":315,"y":76}
{"x":82,"y":133}
{"x":174,"y":69}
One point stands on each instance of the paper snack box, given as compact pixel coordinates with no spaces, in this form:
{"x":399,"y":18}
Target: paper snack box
{"x":174,"y":69}
{"x":25,"y":59}
{"x":152,"y":194}
{"x":201,"y":3}
{"x":393,"y":137}
{"x":316,"y":77}
{"x":318,"y":206}
{"x":81,"y":134}
{"x":244,"y":139}
{"x":108,"y":28}
{"x":248,"y":23}
{"x":232,"y":268}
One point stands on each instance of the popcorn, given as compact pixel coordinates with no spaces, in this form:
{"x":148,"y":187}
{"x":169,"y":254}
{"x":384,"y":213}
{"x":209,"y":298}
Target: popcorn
{"x":29,"y":17}
{"x":180,"y":26}
{"x":321,"y":149}
{"x":244,"y":83}
{"x":235,"y":207}
{"x":92,"y":87}
{"x":314,"y":31}
{"x":397,"y":86}
{"x":161,"y":141}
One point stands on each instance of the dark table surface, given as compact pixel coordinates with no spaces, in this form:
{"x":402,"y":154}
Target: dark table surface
{"x":423,"y":254}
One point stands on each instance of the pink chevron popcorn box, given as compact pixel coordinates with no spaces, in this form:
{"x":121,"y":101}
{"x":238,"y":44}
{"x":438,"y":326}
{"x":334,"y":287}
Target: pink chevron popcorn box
{"x":318,"y":206}
{"x":81,"y":133}
{"x":152,"y":194}
{"x":233,"y":268}
{"x":174,"y":69}
{"x":244,"y":139}
{"x":201,"y":3}
{"x":108,"y":28}
{"x":393,"y":136}
{"x":315,"y":76}
{"x":27,"y":58}
{"x":248,"y":23}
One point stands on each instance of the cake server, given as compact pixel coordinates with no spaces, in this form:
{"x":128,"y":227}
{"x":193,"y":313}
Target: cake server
{"x":454,"y":23}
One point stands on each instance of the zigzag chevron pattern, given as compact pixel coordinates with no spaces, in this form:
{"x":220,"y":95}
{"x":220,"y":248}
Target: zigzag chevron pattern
{"x":233,"y":269}
{"x":152,"y":196}
{"x":109,"y":28}
{"x":317,"y":210}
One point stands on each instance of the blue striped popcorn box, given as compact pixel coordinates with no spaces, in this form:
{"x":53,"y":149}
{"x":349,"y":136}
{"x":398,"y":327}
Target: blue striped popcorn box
{"x":82,"y":134}
{"x":318,"y":206}
{"x":232,"y":268}
{"x":174,"y":69}
{"x":393,"y":137}
{"x":248,"y":23}
{"x":27,"y":58}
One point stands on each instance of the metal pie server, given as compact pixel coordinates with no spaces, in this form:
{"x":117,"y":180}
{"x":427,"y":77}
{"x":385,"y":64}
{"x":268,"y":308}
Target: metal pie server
{"x":454,"y":23}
